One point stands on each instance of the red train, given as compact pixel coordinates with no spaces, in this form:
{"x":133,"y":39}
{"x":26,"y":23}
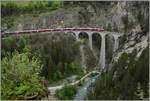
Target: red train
{"x":52,"y":30}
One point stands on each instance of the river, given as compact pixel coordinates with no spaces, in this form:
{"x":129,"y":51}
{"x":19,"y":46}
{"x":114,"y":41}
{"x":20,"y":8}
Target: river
{"x":82,"y":91}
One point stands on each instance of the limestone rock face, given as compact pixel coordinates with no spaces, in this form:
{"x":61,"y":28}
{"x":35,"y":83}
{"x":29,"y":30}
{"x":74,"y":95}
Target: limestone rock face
{"x":135,"y":41}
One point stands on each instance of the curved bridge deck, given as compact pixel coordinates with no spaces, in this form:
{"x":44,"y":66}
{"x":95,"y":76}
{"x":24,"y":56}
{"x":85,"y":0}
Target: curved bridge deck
{"x":54,"y":30}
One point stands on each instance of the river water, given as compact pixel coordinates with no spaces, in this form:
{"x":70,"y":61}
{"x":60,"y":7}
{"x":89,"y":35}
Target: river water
{"x":82,"y":91}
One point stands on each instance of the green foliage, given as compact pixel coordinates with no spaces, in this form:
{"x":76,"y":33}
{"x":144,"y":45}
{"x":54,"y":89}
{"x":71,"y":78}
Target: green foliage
{"x":73,"y":68}
{"x":15,"y":8}
{"x":57,"y":56}
{"x":56,"y":4}
{"x":124,"y":78}
{"x":90,"y":60}
{"x":142,"y":69}
{"x":49,"y":4}
{"x":20,"y":77}
{"x":8,"y":21}
{"x":10,"y":44}
{"x":9,"y":9}
{"x":66,"y":93}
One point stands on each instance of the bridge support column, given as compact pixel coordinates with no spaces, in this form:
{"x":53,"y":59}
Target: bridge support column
{"x":77,"y":35}
{"x":102,"y":52}
{"x":90,"y":40}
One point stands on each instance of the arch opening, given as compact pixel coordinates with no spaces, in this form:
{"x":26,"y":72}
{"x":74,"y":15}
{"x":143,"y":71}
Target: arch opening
{"x":83,"y":35}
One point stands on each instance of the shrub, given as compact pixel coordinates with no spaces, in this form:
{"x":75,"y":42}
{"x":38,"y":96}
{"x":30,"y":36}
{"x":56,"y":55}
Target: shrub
{"x":16,"y":43}
{"x":20,"y":77}
{"x":66,"y":93}
{"x":9,"y":21}
{"x":90,"y":59}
